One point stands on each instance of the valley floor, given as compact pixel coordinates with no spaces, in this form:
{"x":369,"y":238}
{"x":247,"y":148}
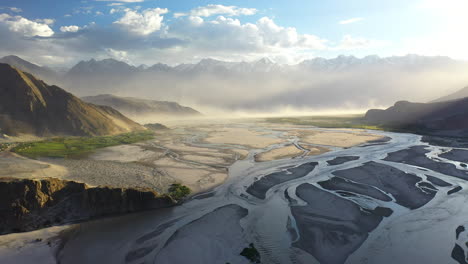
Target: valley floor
{"x":275,"y":171}
{"x":196,"y":155}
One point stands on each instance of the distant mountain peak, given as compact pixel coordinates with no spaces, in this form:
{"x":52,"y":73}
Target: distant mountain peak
{"x":265,"y":60}
{"x":108,"y":65}
{"x":209,"y":60}
{"x":26,"y":66}
{"x":143,"y":67}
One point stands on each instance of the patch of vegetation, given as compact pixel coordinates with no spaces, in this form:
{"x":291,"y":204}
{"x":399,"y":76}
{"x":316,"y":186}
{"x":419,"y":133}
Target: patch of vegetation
{"x":5,"y":146}
{"x":74,"y":147}
{"x":251,"y":253}
{"x":350,"y":121}
{"x":179,"y":191}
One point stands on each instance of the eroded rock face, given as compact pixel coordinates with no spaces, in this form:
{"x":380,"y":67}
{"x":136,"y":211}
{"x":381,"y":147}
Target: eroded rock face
{"x":29,"y":204}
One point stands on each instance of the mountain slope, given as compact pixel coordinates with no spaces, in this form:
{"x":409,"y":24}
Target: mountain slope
{"x":454,"y":96}
{"x":26,"y":66}
{"x":344,"y":82}
{"x":30,"y":106}
{"x":135,"y":106}
{"x":448,"y":118}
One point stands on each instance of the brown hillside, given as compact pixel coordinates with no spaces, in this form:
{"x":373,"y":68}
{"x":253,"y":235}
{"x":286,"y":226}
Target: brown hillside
{"x":30,"y":106}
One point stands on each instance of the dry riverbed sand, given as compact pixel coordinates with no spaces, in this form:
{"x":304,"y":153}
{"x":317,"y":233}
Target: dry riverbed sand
{"x":243,"y":137}
{"x":290,"y":151}
{"x":31,"y":247}
{"x":13,"y":165}
{"x":194,"y":155}
{"x":343,"y":138}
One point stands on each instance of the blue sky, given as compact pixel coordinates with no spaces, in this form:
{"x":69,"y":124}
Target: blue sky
{"x":148,"y":31}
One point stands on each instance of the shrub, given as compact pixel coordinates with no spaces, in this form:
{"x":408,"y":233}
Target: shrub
{"x":251,"y":254}
{"x":179,"y":191}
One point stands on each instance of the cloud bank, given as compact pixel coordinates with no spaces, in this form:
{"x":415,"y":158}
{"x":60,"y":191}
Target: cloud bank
{"x":157,"y":35}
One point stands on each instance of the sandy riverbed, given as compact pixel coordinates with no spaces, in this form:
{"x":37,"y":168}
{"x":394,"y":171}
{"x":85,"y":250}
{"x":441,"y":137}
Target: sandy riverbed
{"x":13,"y":165}
{"x":280,"y":153}
{"x":343,"y":139}
{"x":194,"y":155}
{"x":243,"y":137}
{"x":201,"y":157}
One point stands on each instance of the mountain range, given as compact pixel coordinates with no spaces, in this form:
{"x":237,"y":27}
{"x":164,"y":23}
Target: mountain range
{"x":30,"y":106}
{"x":343,"y":83}
{"x":341,"y":62}
{"x":135,"y":107}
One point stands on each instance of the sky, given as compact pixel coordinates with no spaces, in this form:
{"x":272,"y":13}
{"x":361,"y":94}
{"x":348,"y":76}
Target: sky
{"x":60,"y":33}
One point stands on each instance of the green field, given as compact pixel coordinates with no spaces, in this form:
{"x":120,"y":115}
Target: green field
{"x":73,"y":147}
{"x":4,"y":146}
{"x":349,"y":121}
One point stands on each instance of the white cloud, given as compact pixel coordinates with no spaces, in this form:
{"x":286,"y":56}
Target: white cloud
{"x":211,"y":10}
{"x":25,"y":26}
{"x":144,"y":23}
{"x":120,"y":55}
{"x":16,"y":9}
{"x":99,"y":13}
{"x":275,"y":35}
{"x":115,"y":4}
{"x":185,"y":39}
{"x":4,"y":17}
{"x":351,"y":20}
{"x":349,"y":42}
{"x":71,"y":28}
{"x":228,"y":38}
{"x":47,"y":21}
{"x":67,"y":15}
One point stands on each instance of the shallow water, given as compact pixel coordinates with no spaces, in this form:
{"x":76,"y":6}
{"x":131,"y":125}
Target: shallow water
{"x":332,"y":225}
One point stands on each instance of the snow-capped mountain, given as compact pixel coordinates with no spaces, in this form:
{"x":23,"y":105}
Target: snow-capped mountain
{"x":341,"y":82}
{"x":264,"y":65}
{"x":159,"y":67}
{"x":349,"y":62}
{"x":106,"y":66}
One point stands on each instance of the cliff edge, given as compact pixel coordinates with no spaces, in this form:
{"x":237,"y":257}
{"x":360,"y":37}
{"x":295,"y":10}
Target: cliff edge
{"x":29,"y":204}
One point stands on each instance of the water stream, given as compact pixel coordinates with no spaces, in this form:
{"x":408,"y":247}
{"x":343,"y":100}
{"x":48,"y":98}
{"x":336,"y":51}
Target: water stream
{"x":297,"y":220}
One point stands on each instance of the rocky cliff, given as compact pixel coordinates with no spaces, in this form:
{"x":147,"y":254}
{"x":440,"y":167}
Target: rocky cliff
{"x":29,"y":204}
